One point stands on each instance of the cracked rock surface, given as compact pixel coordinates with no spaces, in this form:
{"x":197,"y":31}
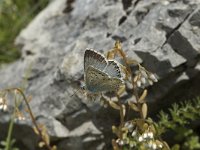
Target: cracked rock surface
{"x":162,"y":35}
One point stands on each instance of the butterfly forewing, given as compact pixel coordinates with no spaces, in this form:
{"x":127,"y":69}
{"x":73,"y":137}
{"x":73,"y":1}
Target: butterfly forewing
{"x":93,"y":58}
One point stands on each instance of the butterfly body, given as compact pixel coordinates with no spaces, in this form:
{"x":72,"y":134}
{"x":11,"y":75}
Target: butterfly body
{"x":101,"y":75}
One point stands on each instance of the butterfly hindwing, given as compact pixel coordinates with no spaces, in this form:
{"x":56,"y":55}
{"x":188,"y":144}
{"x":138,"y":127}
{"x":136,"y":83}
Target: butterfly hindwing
{"x":112,"y":69}
{"x":111,"y":84}
{"x":98,"y":81}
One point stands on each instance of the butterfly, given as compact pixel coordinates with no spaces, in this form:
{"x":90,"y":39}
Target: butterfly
{"x":101,"y":74}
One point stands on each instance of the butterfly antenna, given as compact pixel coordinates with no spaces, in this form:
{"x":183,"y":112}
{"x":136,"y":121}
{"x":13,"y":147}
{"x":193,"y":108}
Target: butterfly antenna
{"x":74,"y":93}
{"x":79,"y":89}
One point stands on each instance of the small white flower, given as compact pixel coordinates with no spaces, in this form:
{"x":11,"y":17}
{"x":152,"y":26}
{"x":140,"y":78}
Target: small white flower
{"x":150,"y":144}
{"x":138,"y":83}
{"x":1,"y":100}
{"x":145,"y":135}
{"x":5,"y":107}
{"x":121,"y":142}
{"x":143,"y":80}
{"x":150,"y":82}
{"x":117,"y":141}
{"x":144,"y":74}
{"x":129,"y":125}
{"x":140,"y":139}
{"x":134,"y":133}
{"x":153,"y":77}
{"x":150,"y":135}
{"x":154,"y":146}
{"x":21,"y":118}
{"x":160,"y":146}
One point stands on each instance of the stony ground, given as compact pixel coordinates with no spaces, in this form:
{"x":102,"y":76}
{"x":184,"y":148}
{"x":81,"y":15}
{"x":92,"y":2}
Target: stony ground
{"x":163,"y":35}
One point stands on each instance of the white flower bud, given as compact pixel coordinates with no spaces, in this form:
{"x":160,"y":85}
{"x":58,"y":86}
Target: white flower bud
{"x":143,"y":80}
{"x":133,"y":133}
{"x":150,"y":82}
{"x":21,"y":118}
{"x":150,"y":144}
{"x":117,"y":141}
{"x":145,"y":135}
{"x":150,"y":135}
{"x":129,"y":125}
{"x":152,"y":77}
{"x":140,"y":139}
{"x":160,"y":146}
{"x":121,"y":142}
{"x":5,"y":107}
{"x":154,"y":146}
{"x":144,"y":74}
{"x":138,"y":83}
{"x":126,"y":124}
{"x":1,"y":106}
{"x":1,"y":100}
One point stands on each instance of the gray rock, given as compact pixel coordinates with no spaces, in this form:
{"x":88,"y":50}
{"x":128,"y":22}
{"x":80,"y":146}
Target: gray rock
{"x":162,"y":35}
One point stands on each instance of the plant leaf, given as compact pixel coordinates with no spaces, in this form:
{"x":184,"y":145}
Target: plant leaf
{"x":144,"y":110}
{"x":133,"y":106}
{"x":142,"y":97}
{"x":114,"y":105}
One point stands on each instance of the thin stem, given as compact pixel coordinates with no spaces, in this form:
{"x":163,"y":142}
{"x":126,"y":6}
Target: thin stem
{"x":8,"y":139}
{"x":137,"y":99}
{"x":32,"y":117}
{"x":121,"y":116}
{"x":120,"y":51}
{"x":121,"y":119}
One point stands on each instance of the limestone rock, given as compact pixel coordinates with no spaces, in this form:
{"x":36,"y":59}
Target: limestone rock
{"x":163,"y":35}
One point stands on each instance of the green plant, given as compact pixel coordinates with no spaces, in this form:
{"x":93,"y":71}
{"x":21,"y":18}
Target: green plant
{"x":15,"y":15}
{"x":8,"y":144}
{"x":179,"y":121}
{"x":21,"y":107}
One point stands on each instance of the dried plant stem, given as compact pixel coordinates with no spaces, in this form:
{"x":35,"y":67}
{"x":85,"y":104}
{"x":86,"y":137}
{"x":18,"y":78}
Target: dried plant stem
{"x":121,"y":116}
{"x":137,"y":99}
{"x":121,"y":119}
{"x":118,"y":48}
{"x":32,"y":116}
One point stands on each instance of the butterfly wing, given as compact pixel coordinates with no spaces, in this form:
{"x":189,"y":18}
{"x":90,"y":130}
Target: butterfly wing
{"x":111,"y":84}
{"x":95,"y":59}
{"x":113,"y":69}
{"x":98,"y":81}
